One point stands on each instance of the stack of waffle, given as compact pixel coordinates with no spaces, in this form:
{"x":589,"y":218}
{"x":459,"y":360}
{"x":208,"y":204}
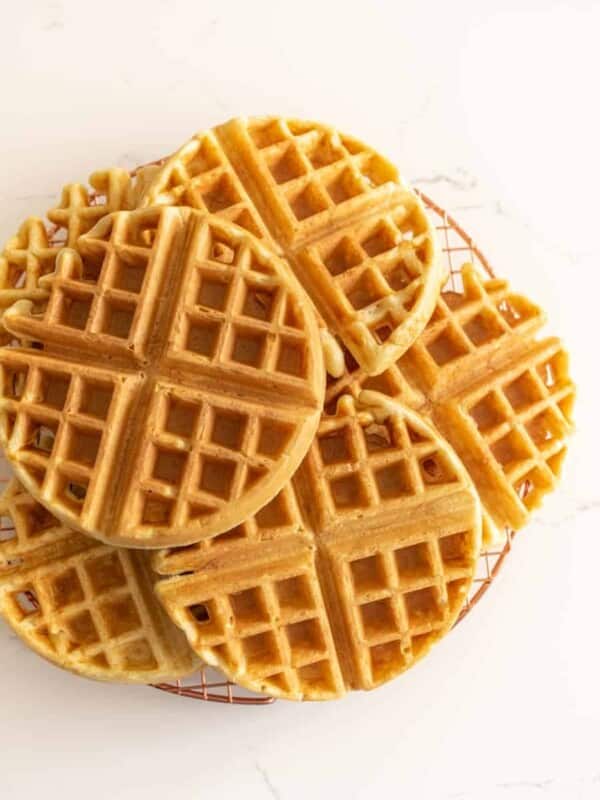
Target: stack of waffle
{"x":249,"y":423}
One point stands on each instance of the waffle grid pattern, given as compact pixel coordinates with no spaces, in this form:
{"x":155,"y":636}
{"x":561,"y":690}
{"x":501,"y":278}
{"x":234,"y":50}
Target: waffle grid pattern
{"x":403,"y":598}
{"x":102,"y":289}
{"x":279,"y":519}
{"x":207,"y":448}
{"x":472,"y":317}
{"x":202,"y":454}
{"x":80,"y":603}
{"x":522,"y":420}
{"x":277,"y":631}
{"x":237,"y":312}
{"x":203,"y":179}
{"x":378,"y":271}
{"x":468,"y":320}
{"x":79,"y":210}
{"x":315,"y":170}
{"x":32,"y":252}
{"x":26,"y":257}
{"x":475,"y":371}
{"x":375,"y":467}
{"x":58,"y":418}
{"x":28,"y":528}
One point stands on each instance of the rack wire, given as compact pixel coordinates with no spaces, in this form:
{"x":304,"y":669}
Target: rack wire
{"x":457,"y":247}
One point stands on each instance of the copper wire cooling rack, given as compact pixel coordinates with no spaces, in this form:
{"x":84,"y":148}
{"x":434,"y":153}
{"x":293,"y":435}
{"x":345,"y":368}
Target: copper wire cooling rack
{"x":457,"y":247}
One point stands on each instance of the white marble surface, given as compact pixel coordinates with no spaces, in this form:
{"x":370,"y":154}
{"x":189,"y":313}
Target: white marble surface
{"x":491,"y":108}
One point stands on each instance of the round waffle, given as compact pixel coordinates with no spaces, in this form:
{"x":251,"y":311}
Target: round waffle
{"x":179,"y":382}
{"x":87,"y":607}
{"x":357,"y":237}
{"x":349,"y":575}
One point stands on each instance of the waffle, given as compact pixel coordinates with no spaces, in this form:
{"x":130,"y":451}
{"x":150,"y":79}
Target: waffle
{"x":179,"y":386}
{"x":500,"y":396}
{"x":31,"y":253}
{"x":356,"y":236}
{"x":349,"y":576}
{"x":84,"y":606}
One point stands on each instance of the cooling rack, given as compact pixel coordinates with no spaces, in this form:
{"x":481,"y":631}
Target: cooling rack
{"x":456,"y":247}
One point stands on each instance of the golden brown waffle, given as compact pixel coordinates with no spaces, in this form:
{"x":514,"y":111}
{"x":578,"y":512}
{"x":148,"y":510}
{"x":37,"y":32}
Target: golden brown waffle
{"x":179,"y":386}
{"x":32,"y":252}
{"x":349,"y":575}
{"x":502,"y":398}
{"x":357,"y":237}
{"x":85,"y":606}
